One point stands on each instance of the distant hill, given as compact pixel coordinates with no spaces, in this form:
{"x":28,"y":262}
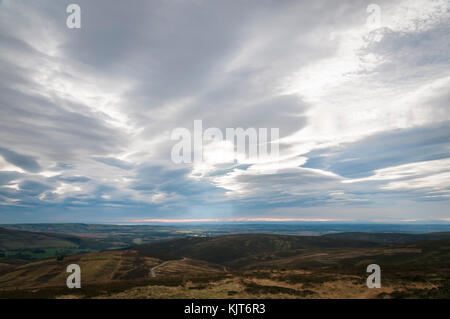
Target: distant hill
{"x":118,"y":236}
{"x":227,"y":248}
{"x":78,"y":228}
{"x":16,"y":239}
{"x":389,"y":237}
{"x":22,"y":246}
{"x":263,"y":251}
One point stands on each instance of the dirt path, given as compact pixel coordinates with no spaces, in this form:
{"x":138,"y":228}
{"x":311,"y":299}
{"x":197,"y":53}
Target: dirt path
{"x":162,"y":264}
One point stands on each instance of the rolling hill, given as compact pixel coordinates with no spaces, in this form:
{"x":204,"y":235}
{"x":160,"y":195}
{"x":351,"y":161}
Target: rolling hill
{"x":22,"y":246}
{"x":224,"y":249}
{"x":16,"y":240}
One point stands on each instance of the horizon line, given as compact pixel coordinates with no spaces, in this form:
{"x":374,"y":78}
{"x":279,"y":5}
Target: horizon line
{"x":244,"y":220}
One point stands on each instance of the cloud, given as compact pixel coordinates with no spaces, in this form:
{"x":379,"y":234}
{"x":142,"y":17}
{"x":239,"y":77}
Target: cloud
{"x":86,"y":114}
{"x":6,"y":177}
{"x":390,"y":148}
{"x":427,"y":179}
{"x":114,"y":162}
{"x":27,"y":163}
{"x":33,"y":187}
{"x":74,"y":179}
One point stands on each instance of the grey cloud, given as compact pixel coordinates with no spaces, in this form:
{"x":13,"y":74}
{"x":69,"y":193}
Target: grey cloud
{"x":37,"y":124}
{"x":286,"y":188}
{"x":154,"y":179}
{"x":178,"y":51}
{"x":61,"y":166}
{"x":410,"y":57}
{"x":25,"y":162}
{"x":6,"y":177}
{"x":33,"y":188}
{"x":284,"y":112}
{"x":73,"y":179}
{"x":386,"y":149}
{"x":114,"y":162}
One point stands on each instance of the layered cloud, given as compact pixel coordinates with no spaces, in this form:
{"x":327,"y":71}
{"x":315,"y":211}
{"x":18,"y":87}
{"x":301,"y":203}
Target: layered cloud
{"x":86,"y":114}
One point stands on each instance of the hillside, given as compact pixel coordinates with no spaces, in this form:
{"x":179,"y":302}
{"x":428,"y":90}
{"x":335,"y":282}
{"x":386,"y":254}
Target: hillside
{"x":223,"y":249}
{"x":15,"y":239}
{"x":21,"y":246}
{"x":114,"y":270}
{"x":241,"y":266}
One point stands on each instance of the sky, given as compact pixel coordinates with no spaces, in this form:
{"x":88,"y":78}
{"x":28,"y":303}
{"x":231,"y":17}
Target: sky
{"x":361,"y":101}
